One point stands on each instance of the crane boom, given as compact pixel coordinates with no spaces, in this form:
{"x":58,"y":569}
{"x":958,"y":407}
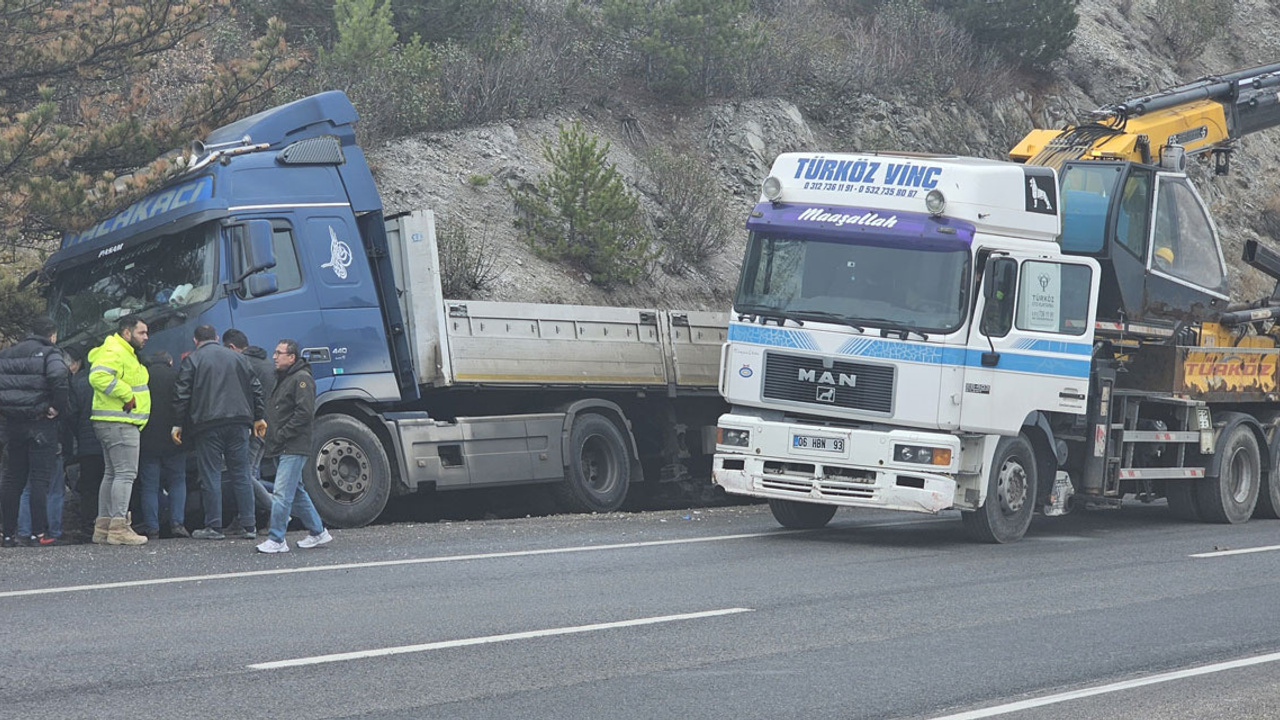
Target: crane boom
{"x":1207,"y":115}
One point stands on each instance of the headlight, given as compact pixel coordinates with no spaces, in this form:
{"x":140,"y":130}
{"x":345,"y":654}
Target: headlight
{"x":772,"y":189}
{"x":733,"y":437}
{"x":935,"y":202}
{"x":921,"y":455}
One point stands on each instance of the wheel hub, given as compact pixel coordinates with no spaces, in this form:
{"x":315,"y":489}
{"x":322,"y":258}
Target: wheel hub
{"x":1240,"y":482}
{"x":343,"y":470}
{"x":1011,"y":486}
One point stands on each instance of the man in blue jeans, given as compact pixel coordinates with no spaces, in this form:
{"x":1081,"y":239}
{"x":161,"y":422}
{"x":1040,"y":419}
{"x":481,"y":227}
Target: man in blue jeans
{"x":160,"y":462}
{"x":216,"y":400}
{"x":290,"y":417}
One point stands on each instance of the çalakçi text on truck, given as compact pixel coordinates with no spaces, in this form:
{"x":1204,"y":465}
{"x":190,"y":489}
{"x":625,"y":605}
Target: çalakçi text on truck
{"x":931,"y":332}
{"x":276,"y":228}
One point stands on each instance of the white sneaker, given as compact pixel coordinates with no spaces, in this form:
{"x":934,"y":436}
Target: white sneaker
{"x":311,"y":541}
{"x":271,"y":546}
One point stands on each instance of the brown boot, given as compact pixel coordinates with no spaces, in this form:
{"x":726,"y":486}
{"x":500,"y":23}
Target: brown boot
{"x":100,"y":527}
{"x":119,"y":533}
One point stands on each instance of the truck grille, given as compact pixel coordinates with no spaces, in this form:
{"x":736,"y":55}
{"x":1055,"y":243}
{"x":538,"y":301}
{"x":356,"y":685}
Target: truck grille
{"x":800,"y":379}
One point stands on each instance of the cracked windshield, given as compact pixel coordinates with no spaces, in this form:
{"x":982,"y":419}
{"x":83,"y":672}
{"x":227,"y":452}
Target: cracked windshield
{"x":857,"y":284}
{"x":89,"y":298}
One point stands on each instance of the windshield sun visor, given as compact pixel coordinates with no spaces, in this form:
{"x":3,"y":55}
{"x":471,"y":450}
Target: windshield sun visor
{"x":861,"y":225}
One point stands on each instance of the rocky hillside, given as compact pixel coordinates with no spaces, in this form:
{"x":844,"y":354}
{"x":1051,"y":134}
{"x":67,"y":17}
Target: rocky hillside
{"x":1118,"y":53}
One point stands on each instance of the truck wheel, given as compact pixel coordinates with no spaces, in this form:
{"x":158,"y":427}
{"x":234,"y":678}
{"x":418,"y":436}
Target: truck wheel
{"x":599,"y":467}
{"x":1231,"y":497}
{"x":1181,"y":495}
{"x":1011,"y":495}
{"x":349,"y":479}
{"x":801,"y":515}
{"x":1269,"y":498}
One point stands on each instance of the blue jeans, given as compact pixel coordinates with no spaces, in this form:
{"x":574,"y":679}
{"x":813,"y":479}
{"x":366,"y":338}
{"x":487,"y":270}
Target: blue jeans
{"x":229,"y":444}
{"x":289,"y":497}
{"x":53,"y":505}
{"x":173,"y":470}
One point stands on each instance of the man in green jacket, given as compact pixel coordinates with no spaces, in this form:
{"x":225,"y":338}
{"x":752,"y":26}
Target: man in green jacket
{"x":121,"y":406}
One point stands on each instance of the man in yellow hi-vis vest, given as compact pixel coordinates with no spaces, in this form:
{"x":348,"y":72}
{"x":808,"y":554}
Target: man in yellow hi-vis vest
{"x":121,"y":406}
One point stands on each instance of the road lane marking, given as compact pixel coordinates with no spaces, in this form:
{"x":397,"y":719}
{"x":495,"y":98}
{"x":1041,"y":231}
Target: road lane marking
{"x":1241,"y":551}
{"x":1112,"y":688}
{"x":487,"y":640}
{"x":428,"y":560}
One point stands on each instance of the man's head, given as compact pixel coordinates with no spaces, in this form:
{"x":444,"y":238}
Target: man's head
{"x":286,"y":354}
{"x":44,"y":328}
{"x":204,"y":334}
{"x":235,"y":339}
{"x":74,"y":360}
{"x":133,"y":330}
{"x":161,"y":357}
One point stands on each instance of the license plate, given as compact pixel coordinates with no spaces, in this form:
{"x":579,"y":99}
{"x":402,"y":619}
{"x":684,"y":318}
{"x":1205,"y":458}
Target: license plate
{"x":815,"y":442}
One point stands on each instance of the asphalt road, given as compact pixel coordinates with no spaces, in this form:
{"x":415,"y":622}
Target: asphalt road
{"x":714,"y":613}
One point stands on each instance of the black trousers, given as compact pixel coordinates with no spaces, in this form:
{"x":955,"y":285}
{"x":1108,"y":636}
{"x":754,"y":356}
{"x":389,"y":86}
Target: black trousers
{"x":33,"y":455}
{"x":92,"y":468}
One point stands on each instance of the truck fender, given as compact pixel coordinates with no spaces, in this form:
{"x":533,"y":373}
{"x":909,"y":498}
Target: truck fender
{"x":353,"y":395}
{"x":1213,"y":463}
{"x":610,"y":410}
{"x":1049,"y":456}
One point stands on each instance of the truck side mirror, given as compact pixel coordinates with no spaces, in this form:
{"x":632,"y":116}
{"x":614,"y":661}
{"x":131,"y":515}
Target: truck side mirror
{"x":999,"y":280}
{"x":261,"y":284}
{"x":259,"y":247}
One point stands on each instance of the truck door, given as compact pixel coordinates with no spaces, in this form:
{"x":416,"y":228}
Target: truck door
{"x":1031,"y":345}
{"x":289,"y":312}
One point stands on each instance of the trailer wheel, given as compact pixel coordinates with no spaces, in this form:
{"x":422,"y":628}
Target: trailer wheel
{"x":1231,"y":497}
{"x":801,"y":515}
{"x":1011,"y":495}
{"x":599,"y":467}
{"x":349,"y":478}
{"x":1269,"y":498}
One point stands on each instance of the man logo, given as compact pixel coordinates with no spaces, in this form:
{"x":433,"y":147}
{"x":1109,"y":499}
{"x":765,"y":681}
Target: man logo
{"x":826,"y":394}
{"x":827,"y":378}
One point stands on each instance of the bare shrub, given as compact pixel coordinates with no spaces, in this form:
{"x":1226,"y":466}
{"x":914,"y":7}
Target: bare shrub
{"x":694,"y":224}
{"x":1269,"y":219}
{"x":1191,"y":24}
{"x":468,"y":265}
{"x":550,"y":62}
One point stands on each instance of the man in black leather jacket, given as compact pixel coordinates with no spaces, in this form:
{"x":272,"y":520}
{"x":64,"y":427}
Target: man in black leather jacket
{"x":216,"y":400}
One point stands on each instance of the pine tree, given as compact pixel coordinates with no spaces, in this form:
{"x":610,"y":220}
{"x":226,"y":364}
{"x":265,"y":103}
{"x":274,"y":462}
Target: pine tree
{"x":80,"y":103}
{"x":583,"y":213}
{"x":365,"y":31}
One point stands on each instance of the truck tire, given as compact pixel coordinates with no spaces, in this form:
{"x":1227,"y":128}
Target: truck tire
{"x":599,"y":470}
{"x":1011,"y":495}
{"x":1181,"y":495}
{"x":801,"y":515}
{"x":1269,"y":498}
{"x":1232,"y":496}
{"x":349,"y":478}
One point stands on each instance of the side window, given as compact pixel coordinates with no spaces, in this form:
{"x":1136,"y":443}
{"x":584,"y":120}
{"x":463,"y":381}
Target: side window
{"x":1135,"y":212}
{"x":288,"y":271}
{"x":1054,"y":298}
{"x":1183,"y":244}
{"x":999,"y":278}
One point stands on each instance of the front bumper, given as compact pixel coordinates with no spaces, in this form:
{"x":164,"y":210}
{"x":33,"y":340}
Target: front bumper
{"x":863,"y":475}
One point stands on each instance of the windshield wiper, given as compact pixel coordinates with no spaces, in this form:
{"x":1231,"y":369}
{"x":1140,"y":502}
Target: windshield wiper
{"x":825,"y":316}
{"x":885,"y":327}
{"x":764,"y":315}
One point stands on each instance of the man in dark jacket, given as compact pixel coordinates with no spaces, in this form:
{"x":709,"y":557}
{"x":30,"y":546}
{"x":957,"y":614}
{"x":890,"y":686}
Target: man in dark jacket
{"x":216,"y":400}
{"x":266,"y":374}
{"x":160,"y":461}
{"x":290,"y":418}
{"x":34,"y":391}
{"x":88,"y":450}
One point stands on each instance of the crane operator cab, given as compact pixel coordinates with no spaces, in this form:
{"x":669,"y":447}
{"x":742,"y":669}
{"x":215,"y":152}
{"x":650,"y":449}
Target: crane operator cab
{"x":1162,"y":263}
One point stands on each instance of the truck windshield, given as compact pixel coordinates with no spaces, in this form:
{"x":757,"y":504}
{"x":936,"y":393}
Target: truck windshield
{"x":156,"y":280}
{"x":861,"y":284}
